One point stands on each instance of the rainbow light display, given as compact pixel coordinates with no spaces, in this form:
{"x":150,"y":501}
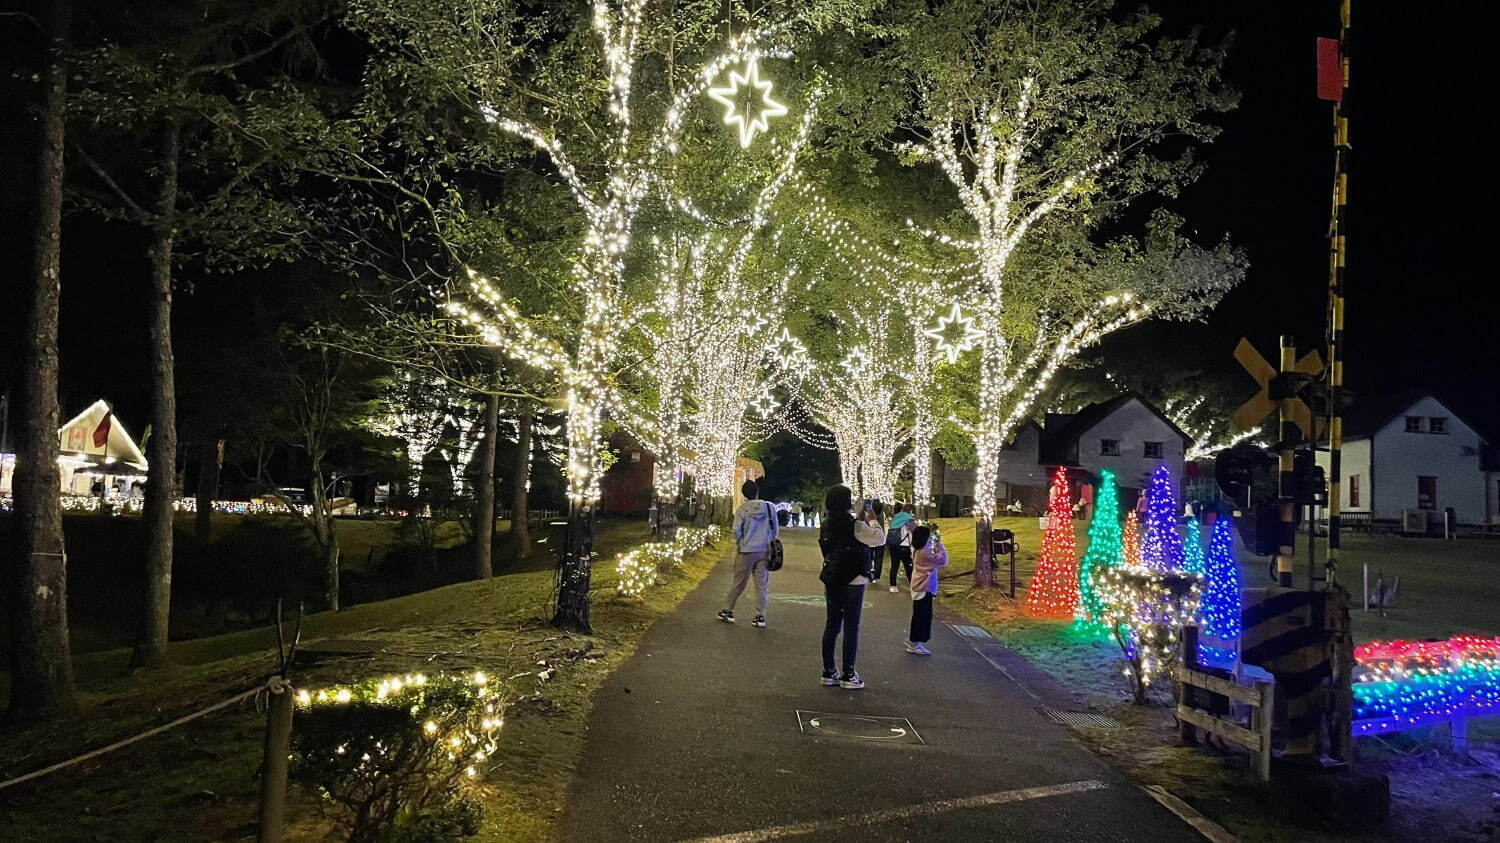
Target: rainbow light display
{"x":1402,"y":684}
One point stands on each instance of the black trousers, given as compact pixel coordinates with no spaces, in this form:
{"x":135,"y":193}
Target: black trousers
{"x":874,"y":561}
{"x":921,"y":620}
{"x":900,"y":558}
{"x":845,"y":602}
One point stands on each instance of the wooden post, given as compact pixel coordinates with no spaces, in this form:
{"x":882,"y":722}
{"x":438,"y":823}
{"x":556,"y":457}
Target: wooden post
{"x":1185,"y":730}
{"x":273,"y":763}
{"x":1260,"y":721}
{"x":1460,"y":733}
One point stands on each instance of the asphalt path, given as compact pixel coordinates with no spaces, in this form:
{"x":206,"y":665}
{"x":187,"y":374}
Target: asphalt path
{"x":723,"y":732}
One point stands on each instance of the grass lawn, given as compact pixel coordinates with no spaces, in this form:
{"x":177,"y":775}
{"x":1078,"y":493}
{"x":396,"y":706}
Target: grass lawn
{"x":197,"y":782}
{"x":1447,"y":587}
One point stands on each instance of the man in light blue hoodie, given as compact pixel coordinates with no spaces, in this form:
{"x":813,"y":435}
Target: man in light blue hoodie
{"x":755,"y":528}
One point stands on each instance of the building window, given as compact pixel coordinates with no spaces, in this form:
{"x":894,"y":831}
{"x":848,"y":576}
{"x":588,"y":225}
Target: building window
{"x":1354,"y":491}
{"x":1437,"y":424}
{"x":1413,"y":424}
{"x":1152,"y":451}
{"x":1109,"y":447}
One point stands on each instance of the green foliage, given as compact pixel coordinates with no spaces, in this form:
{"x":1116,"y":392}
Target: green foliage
{"x":394,"y":759}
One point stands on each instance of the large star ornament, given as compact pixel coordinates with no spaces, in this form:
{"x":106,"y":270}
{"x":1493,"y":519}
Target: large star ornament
{"x":759,"y":89}
{"x":955,"y":333}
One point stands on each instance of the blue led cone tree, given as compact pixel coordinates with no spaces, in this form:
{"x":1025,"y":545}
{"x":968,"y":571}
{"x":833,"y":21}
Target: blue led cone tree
{"x":1161,"y":549}
{"x":1220,"y":607}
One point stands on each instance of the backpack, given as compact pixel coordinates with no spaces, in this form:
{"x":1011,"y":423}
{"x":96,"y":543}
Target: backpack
{"x":775,"y":556}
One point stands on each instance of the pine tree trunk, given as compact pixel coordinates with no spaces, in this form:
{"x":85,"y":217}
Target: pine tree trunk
{"x":161,"y":450}
{"x":577,"y":571}
{"x":520,"y":506}
{"x":208,"y":490}
{"x":41,"y":664}
{"x":484,"y":498}
{"x":984,"y":553}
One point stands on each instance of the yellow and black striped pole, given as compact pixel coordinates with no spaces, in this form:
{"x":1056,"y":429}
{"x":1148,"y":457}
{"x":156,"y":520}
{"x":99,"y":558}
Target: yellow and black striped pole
{"x":1337,"y":274}
{"x":1341,"y":718}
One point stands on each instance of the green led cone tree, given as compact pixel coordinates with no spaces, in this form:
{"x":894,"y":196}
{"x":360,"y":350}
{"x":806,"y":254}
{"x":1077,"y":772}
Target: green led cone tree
{"x":1054,"y":587}
{"x":1192,"y":548}
{"x":1106,"y":547}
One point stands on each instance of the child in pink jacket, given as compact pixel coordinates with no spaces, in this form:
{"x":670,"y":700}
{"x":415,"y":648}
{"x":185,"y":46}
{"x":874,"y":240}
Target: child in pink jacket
{"x":928,"y":556}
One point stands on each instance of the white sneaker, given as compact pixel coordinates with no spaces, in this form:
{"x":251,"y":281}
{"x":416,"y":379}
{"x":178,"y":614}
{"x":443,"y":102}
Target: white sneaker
{"x":918,"y":649}
{"x":895,"y":590}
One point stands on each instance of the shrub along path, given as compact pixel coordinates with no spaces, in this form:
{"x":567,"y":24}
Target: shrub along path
{"x":198,"y":782}
{"x":707,"y":732}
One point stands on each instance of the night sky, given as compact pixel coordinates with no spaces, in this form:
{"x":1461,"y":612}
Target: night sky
{"x":1416,"y":315}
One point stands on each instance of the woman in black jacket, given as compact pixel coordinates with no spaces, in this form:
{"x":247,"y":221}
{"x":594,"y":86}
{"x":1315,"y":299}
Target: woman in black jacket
{"x":842,"y":538}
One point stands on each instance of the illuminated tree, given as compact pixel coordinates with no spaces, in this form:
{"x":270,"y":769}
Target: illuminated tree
{"x":1054,"y":587}
{"x":1130,"y":548}
{"x":1221,"y":592}
{"x":1105,"y":548}
{"x":1162,"y":547}
{"x":1046,"y":117}
{"x":1192,"y":549}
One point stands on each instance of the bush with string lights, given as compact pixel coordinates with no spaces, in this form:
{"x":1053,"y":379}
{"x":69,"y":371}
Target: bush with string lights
{"x":398,"y":758}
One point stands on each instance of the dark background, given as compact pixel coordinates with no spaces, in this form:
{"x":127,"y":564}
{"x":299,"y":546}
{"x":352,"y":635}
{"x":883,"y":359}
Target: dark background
{"x":1417,"y":315}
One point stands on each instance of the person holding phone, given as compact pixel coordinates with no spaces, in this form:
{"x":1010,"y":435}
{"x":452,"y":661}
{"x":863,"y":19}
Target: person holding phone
{"x":843,"y":540}
{"x":930,"y":555}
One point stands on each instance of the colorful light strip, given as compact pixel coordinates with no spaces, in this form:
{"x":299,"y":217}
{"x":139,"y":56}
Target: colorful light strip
{"x":1402,"y":684}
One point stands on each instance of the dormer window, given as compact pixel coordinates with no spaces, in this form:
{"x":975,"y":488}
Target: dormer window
{"x":1437,"y":424}
{"x":1413,"y":424}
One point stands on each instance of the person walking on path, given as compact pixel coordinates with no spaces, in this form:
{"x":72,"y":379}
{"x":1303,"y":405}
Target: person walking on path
{"x":843,"y":540}
{"x":898,"y":542}
{"x":755,"y":527}
{"x":930,"y":556}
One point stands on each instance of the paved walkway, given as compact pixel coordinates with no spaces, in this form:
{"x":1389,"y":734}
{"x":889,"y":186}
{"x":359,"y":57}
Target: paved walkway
{"x":719,"y":731}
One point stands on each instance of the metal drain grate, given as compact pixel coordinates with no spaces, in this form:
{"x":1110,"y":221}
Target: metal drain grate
{"x":974,"y":632}
{"x":1081,"y":719}
{"x":333,"y":648}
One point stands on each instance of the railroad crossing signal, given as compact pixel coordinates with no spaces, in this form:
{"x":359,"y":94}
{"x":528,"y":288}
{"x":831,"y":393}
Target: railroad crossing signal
{"x":1274,"y":386}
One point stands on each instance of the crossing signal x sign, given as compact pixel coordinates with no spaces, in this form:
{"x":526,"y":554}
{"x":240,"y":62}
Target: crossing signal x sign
{"x":1275,"y":386}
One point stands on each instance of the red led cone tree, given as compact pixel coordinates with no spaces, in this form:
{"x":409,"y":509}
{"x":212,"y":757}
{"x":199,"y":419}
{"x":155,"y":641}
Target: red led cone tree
{"x":1054,"y":586}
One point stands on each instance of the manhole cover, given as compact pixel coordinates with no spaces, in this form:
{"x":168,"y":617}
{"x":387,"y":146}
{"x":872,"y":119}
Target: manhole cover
{"x":859,"y":727}
{"x":972,"y":632}
{"x":1081,"y":719}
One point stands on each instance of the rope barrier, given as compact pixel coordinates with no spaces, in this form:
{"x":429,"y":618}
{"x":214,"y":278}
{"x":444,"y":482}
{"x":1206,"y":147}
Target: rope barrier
{"x":270,"y":687}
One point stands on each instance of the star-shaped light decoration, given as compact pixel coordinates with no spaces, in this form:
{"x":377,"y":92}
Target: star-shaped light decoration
{"x":765,"y":405}
{"x":788,"y":350}
{"x":855,"y":363}
{"x":749,"y":123}
{"x":955,"y":333}
{"x":753,"y":323}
